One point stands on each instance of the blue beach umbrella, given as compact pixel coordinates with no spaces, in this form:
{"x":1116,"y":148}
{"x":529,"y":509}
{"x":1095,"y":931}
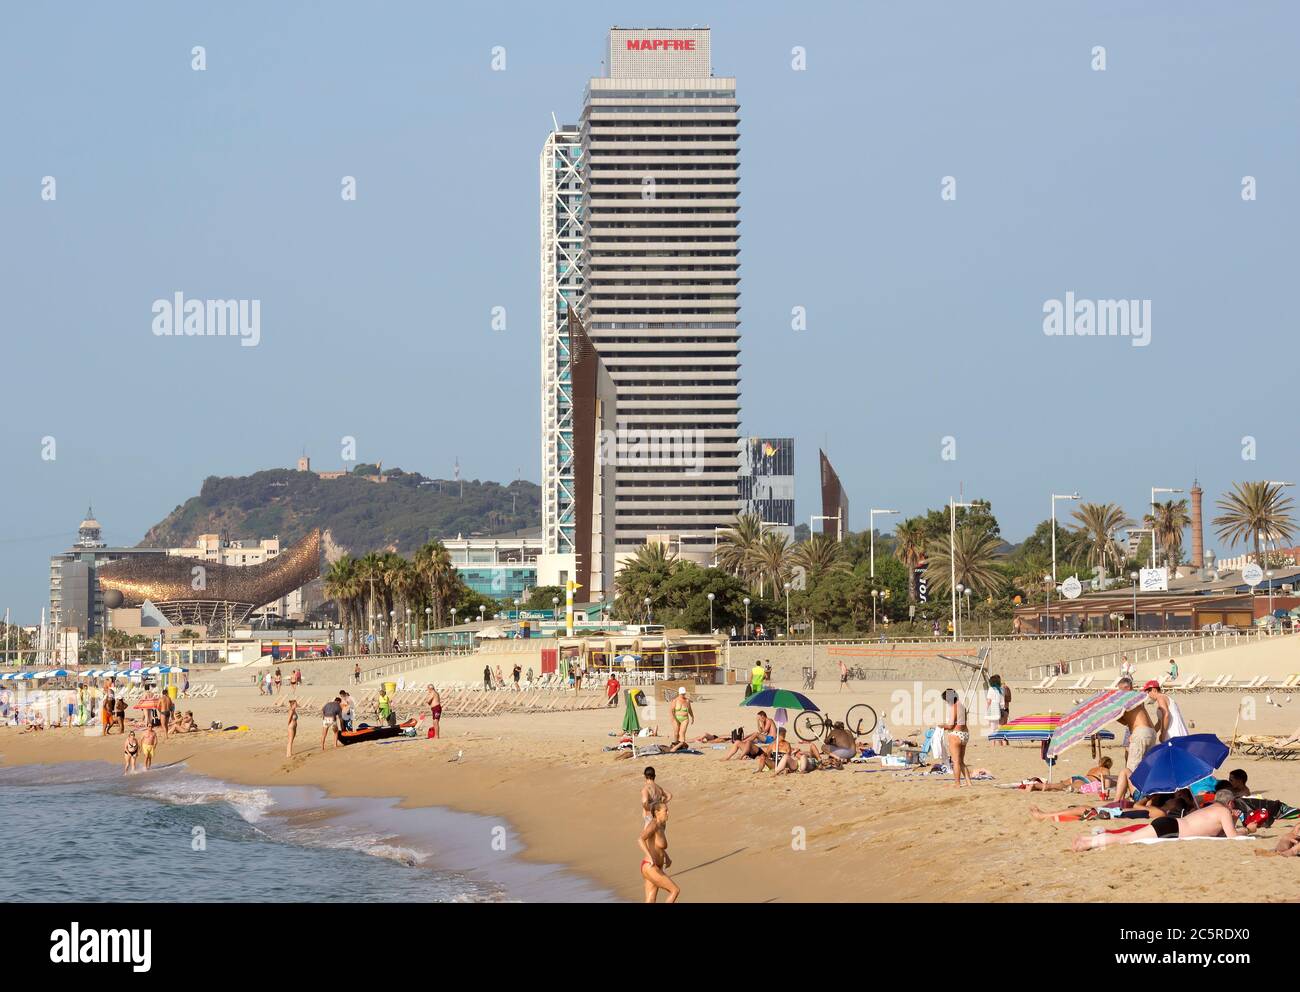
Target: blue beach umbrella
{"x":1179,"y":762}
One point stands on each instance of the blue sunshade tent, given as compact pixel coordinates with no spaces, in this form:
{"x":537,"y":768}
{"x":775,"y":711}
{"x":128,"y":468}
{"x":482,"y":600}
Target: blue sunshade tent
{"x":1178,"y":762}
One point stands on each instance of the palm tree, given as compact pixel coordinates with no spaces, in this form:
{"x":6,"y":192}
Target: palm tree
{"x":909,"y":548}
{"x":820,"y":555}
{"x":1097,"y":524}
{"x":641,"y":578}
{"x":736,"y":545}
{"x":403,"y":580}
{"x":433,"y":563}
{"x":1254,"y":510}
{"x":972,"y":556}
{"x":1167,"y":521}
{"x":370,"y":570}
{"x":770,"y":560}
{"x":343,"y":585}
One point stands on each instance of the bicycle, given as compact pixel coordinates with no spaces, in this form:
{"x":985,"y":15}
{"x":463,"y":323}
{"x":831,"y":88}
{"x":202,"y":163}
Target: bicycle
{"x":860,"y":720}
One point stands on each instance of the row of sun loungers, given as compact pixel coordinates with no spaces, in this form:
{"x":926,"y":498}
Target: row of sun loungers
{"x":1267,"y":747}
{"x":1194,"y":683}
{"x":458,"y":699}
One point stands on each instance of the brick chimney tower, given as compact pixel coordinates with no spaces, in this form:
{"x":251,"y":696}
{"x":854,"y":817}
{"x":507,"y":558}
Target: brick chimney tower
{"x":1198,"y":540}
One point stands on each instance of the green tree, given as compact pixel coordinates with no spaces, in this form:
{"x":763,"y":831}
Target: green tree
{"x":1168,"y":521}
{"x":1252,"y":509}
{"x":1097,"y":524}
{"x":642,"y":578}
{"x":971,"y":557}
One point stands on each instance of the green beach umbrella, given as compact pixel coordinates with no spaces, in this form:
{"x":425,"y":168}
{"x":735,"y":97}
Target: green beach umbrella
{"x":631,"y":725}
{"x":780,"y":699}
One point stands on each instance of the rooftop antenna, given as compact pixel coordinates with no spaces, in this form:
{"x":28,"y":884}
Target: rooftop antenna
{"x":554,"y":121}
{"x":457,"y":478}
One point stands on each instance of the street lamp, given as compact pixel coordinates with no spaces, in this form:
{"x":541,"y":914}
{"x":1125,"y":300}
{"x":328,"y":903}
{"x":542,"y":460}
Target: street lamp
{"x":1055,"y":497}
{"x":1134,"y":577}
{"x":871,"y":524}
{"x":839,"y":524}
{"x":1269,"y":574}
{"x":957,"y":629}
{"x":428,"y":620}
{"x":649,"y":614}
{"x":787,"y":611}
{"x":711,"y":628}
{"x":481,"y":608}
{"x":952,"y":558}
{"x":1047,"y":581}
{"x":1154,"y":490}
{"x":745,"y":632}
{"x":875,"y":596}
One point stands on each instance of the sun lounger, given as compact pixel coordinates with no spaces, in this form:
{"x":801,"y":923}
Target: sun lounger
{"x":1078,"y":684}
{"x":1192,"y":683}
{"x":1041,"y":685}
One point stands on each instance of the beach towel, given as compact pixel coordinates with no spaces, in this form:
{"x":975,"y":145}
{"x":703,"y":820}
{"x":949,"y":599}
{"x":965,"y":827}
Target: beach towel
{"x":1161,"y":840}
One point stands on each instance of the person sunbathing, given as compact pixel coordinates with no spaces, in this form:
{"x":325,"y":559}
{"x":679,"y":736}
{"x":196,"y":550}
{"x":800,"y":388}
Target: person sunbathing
{"x":770,"y":754}
{"x":751,"y":746}
{"x":1096,"y":782}
{"x":1216,"y":820}
{"x":798,"y":760}
{"x":1166,"y":805}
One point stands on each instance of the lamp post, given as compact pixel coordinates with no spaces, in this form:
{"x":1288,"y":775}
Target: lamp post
{"x":746,"y":630}
{"x":1134,"y":577}
{"x":1269,"y":574}
{"x":1047,"y":581}
{"x":428,"y":622}
{"x":787,"y":611}
{"x":1055,"y":497}
{"x":481,"y":608}
{"x":957,"y":629}
{"x":871,"y":524}
{"x":875,"y":596}
{"x":710,"y":613}
{"x":952,"y":559}
{"x":1154,"y":490}
{"x":649,"y":613}
{"x":392,"y":624}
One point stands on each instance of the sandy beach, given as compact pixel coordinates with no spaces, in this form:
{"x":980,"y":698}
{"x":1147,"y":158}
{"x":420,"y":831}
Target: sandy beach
{"x":859,"y":834}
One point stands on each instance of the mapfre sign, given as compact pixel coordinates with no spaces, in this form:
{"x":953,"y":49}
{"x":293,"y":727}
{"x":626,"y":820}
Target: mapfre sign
{"x":661,"y":44}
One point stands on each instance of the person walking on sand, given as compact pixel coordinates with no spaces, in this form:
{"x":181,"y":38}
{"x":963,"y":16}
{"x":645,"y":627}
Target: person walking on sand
{"x":434,"y":702}
{"x":293,"y":727}
{"x":330,"y":717}
{"x":129,"y":751}
{"x":166,"y":709}
{"x":682,"y":715}
{"x":515,"y":674}
{"x":356,"y":673}
{"x":844,"y":675}
{"x":487,"y":677}
{"x":611,"y":689}
{"x":148,"y":746}
{"x":654,"y":851}
{"x":958,"y":734}
{"x":120,"y":709}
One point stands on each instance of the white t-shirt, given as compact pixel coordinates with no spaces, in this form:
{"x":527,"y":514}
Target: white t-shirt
{"x":995,"y":701}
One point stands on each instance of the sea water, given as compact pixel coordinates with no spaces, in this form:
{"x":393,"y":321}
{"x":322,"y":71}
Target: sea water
{"x":83,"y":832}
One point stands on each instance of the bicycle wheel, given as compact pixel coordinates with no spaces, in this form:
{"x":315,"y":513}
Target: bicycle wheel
{"x":808,"y":726}
{"x":861,"y":719}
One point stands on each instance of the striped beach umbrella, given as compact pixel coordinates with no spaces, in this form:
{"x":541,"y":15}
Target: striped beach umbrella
{"x":1089,"y":717}
{"x":1035,"y":727}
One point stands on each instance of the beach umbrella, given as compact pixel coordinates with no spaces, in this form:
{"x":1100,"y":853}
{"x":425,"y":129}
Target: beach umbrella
{"x":1089,"y":717}
{"x":631,"y":723}
{"x":786,"y":698}
{"x":1178,"y":762}
{"x":1037,"y":727}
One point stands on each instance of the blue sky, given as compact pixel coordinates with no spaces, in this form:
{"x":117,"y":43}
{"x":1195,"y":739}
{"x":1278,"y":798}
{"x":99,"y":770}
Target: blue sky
{"x":924,"y":315}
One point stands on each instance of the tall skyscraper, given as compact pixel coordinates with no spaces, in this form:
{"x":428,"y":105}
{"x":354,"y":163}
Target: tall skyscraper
{"x":658,"y":156}
{"x":561,"y":230}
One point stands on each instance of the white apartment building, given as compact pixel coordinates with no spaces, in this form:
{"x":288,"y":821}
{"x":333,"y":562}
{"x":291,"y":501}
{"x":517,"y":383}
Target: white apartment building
{"x":658,"y":158}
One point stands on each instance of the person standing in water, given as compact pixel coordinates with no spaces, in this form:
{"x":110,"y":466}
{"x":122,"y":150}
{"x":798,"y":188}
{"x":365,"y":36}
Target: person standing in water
{"x":654,"y":859}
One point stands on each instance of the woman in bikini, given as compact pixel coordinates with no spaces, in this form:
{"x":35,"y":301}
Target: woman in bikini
{"x":129,"y":751}
{"x":1096,"y":782}
{"x":293,"y":727}
{"x":958,"y":734}
{"x":654,"y":855}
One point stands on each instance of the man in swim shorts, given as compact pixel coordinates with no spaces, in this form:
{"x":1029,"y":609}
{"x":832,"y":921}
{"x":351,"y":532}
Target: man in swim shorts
{"x":1142,"y":737}
{"x":148,"y":745}
{"x":1215,"y":820}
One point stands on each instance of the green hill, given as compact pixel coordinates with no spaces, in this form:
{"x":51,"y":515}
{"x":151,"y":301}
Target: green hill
{"x":357,"y":515}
